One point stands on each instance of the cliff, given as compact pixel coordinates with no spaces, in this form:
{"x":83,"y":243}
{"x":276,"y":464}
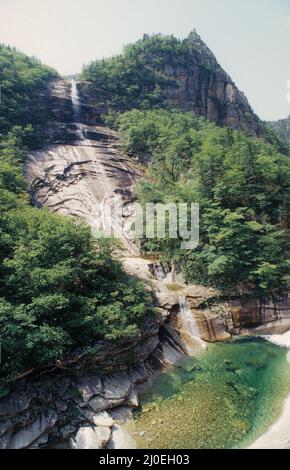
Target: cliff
{"x":163,"y":71}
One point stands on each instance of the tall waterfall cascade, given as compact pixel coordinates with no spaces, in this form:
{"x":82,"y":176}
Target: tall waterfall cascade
{"x":76,"y":104}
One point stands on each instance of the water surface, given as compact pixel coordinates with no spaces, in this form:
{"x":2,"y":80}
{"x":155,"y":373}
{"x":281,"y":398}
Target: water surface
{"x":224,"y":399}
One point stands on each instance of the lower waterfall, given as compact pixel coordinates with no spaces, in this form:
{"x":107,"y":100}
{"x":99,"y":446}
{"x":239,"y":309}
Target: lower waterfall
{"x":189,"y":323}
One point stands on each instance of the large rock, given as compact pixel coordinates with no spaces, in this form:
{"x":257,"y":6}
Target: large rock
{"x":116,"y":387}
{"x":31,"y":433}
{"x":103,"y":419}
{"x":14,"y":404}
{"x":133,"y":399}
{"x":252,"y":312}
{"x":89,"y":386}
{"x":121,"y":439}
{"x":103,"y":435}
{"x":99,"y":404}
{"x":196,"y":84}
{"x":86,"y":438}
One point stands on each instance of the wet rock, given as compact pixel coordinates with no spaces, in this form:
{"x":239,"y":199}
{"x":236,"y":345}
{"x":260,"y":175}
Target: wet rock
{"x":5,"y":439}
{"x":63,"y":384}
{"x":67,"y":431}
{"x":41,"y":441}
{"x":5,"y":426}
{"x":138,"y":373}
{"x":45,"y":393}
{"x":98,"y":404}
{"x":61,"y":405}
{"x":122,"y":414}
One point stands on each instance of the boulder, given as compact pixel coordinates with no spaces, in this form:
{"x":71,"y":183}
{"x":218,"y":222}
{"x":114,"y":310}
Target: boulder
{"x":116,"y":387}
{"x":88,"y":387}
{"x":133,"y":399}
{"x":99,"y":404}
{"x":103,"y":419}
{"x":103,"y":434}
{"x":31,"y":433}
{"x":122,"y":414}
{"x":14,"y":404}
{"x":86,"y":438}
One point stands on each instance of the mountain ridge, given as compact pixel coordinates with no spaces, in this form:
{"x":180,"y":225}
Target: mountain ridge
{"x":162,"y":71}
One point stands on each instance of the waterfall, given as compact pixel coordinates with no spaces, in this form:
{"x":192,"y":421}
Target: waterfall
{"x":188,"y":319}
{"x":76,"y":104}
{"x":189,"y":325}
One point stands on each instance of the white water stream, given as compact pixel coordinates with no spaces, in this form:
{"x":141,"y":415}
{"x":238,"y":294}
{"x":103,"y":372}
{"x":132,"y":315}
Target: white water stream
{"x":76,"y":103}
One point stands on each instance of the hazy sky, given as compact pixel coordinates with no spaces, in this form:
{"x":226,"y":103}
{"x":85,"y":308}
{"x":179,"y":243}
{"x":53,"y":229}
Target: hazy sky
{"x":250,"y":38}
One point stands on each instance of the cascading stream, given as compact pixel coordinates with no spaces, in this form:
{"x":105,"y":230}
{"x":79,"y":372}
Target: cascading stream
{"x":189,"y":323}
{"x":76,"y":104}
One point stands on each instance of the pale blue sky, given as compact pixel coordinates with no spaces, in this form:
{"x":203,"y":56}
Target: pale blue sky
{"x":250,"y":38}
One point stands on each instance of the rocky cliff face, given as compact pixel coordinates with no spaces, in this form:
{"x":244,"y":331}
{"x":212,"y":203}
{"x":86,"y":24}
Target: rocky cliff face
{"x":282,"y":128}
{"x":202,"y":86}
{"x":192,"y":82}
{"x":223,"y":320}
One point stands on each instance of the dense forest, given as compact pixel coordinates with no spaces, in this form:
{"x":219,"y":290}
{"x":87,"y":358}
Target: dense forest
{"x":59,"y":288}
{"x":21,"y":80}
{"x":242,"y":185}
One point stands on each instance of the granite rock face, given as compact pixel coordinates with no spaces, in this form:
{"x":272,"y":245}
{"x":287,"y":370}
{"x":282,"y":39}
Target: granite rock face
{"x":200,"y":85}
{"x":225,"y":319}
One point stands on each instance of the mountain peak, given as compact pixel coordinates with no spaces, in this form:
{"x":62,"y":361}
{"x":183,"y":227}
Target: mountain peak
{"x":206,"y":56}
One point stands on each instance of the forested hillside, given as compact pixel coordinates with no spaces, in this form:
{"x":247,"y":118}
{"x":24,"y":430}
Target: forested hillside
{"x":163,"y":71}
{"x":242,"y":185}
{"x":59,"y":288}
{"x":21,"y":79}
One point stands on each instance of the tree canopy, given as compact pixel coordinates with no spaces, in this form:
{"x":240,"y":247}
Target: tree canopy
{"x":242,"y":185}
{"x":21,"y":80}
{"x":60,"y":289}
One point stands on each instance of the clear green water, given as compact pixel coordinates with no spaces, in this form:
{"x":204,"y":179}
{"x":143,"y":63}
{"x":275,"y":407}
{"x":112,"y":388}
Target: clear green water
{"x":223,"y":399}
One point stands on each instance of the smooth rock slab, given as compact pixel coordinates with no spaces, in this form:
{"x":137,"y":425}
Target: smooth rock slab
{"x":103,"y":419}
{"x":28,"y":435}
{"x":86,"y":438}
{"x":103,"y":435}
{"x":121,"y":439}
{"x":116,"y":387}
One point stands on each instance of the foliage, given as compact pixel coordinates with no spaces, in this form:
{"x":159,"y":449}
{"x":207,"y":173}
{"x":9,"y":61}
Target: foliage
{"x":21,"y":80}
{"x":136,"y":78}
{"x":59,"y":288}
{"x":242,"y":185}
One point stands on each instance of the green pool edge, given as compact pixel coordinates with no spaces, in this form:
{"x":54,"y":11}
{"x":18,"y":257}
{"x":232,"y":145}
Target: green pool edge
{"x":225,"y":398}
